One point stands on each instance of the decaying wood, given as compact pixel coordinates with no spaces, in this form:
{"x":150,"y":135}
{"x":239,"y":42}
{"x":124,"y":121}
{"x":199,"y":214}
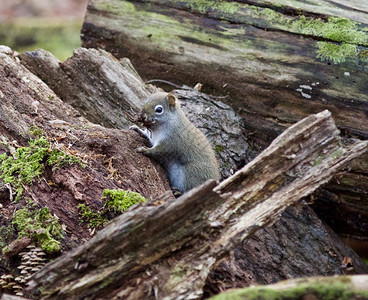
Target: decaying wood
{"x":110,"y":92}
{"x":108,"y":154}
{"x":103,"y":89}
{"x":270,"y":71}
{"x":21,"y":89}
{"x":344,"y":202}
{"x":298,"y":245}
{"x":201,"y":227}
{"x":224,"y":128}
{"x":354,"y":287}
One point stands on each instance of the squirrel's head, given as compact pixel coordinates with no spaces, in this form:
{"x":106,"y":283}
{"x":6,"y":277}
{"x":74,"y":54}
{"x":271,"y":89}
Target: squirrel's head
{"x":158,"y":109}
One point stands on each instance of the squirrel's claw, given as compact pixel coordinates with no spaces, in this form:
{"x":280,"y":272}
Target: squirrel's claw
{"x":134,"y":128}
{"x":143,"y":150}
{"x":177,"y":193}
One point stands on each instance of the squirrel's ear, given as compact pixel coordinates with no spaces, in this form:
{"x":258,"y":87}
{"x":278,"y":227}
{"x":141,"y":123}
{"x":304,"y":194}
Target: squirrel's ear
{"x":171,"y":99}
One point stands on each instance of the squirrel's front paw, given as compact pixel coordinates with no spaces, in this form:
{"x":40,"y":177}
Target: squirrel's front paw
{"x":143,"y":150}
{"x":135,"y":128}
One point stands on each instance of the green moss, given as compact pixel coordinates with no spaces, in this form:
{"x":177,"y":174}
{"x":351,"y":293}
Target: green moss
{"x":337,"y":153}
{"x":40,"y":225}
{"x":345,"y":36}
{"x":57,"y":36}
{"x":116,"y":202}
{"x":36,"y":131}
{"x":6,"y":235}
{"x":203,"y":6}
{"x":93,"y":219}
{"x":335,"y":52}
{"x":28,"y":163}
{"x":120,"y":200}
{"x":218,"y":148}
{"x":335,"y":290}
{"x":335,"y":29}
{"x":317,"y":162}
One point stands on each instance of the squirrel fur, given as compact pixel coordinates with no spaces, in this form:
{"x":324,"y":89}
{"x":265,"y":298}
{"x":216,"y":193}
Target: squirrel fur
{"x":180,"y":147}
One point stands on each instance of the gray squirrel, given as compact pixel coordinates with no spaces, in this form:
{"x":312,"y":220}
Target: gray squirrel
{"x":180,"y":147}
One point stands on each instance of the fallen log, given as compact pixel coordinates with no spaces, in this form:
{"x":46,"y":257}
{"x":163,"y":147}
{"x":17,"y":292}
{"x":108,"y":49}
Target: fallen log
{"x":298,"y":245}
{"x":168,"y":250}
{"x":276,"y":64}
{"x":352,"y":287}
{"x":104,"y":90}
{"x":116,"y":166}
{"x":276,"y":61}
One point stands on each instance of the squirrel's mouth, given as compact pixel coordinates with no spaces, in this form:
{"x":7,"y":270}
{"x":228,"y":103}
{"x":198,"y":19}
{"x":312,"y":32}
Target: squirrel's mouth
{"x":147,"y":122}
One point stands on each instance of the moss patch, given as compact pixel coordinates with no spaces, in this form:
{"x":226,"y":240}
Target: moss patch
{"x":204,"y":6}
{"x":7,"y":234}
{"x":40,"y":225}
{"x":119,"y":200}
{"x":335,"y":290}
{"x":94,"y":220}
{"x":116,"y":202}
{"x":343,"y":36}
{"x":218,"y":148}
{"x":28,"y":163}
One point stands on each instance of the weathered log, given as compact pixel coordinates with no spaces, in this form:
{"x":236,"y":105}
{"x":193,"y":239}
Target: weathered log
{"x":343,"y":203}
{"x":201,"y":111}
{"x":298,"y":245}
{"x":110,"y":143}
{"x":103,"y":89}
{"x":202,"y":226}
{"x":267,"y":58}
{"x":352,"y":287}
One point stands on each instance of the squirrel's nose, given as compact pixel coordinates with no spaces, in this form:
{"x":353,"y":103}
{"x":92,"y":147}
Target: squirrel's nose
{"x":143,"y":117}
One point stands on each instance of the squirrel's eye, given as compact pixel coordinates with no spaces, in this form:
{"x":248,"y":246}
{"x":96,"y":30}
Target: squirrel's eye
{"x":159,"y":109}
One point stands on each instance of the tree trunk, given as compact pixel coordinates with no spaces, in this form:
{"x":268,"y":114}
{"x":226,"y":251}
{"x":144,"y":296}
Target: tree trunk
{"x":170,"y":249}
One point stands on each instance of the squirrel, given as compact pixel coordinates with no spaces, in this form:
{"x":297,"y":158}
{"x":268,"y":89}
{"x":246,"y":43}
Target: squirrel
{"x":180,"y":147}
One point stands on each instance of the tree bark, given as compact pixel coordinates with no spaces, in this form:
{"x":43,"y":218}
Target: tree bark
{"x":202,"y":226}
{"x":104,"y":90}
{"x":109,"y":156}
{"x":259,"y":55}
